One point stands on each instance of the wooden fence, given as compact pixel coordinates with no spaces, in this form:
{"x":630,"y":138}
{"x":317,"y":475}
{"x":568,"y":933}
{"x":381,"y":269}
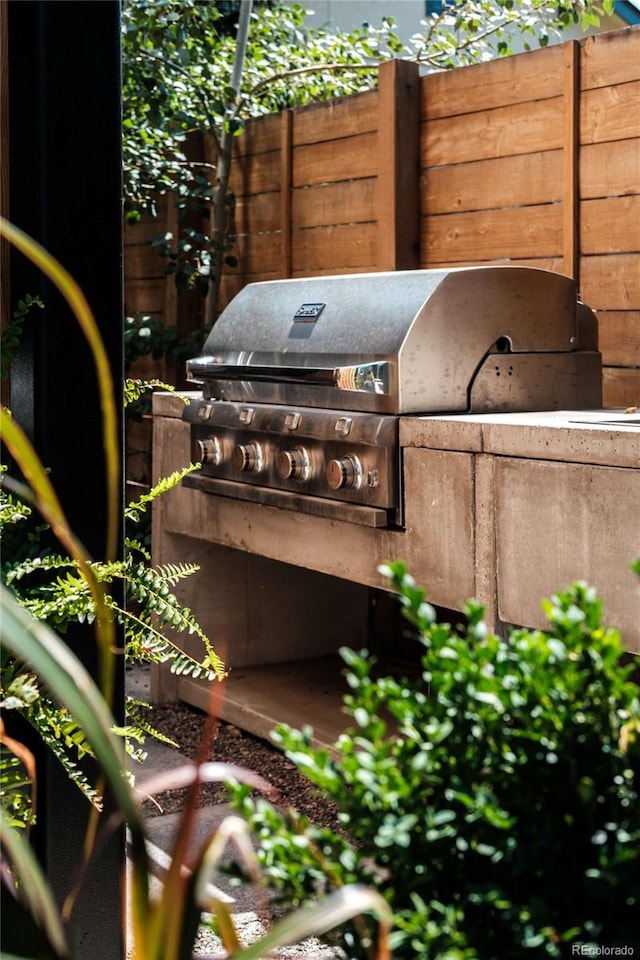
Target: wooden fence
{"x":533,"y":159}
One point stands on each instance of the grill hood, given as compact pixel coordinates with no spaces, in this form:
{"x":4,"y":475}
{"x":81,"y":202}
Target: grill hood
{"x":466,"y":339}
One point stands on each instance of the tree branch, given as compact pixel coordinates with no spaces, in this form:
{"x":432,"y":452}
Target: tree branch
{"x":315,"y":68}
{"x":211,"y":118}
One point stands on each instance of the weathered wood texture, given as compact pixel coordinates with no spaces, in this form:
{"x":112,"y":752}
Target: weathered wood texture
{"x":536,"y":159}
{"x":144,"y":277}
{"x":609,"y":176}
{"x":533,"y":159}
{"x":330,"y":188}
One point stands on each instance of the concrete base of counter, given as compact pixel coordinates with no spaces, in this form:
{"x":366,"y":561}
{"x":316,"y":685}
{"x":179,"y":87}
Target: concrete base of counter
{"x":299,"y":693}
{"x":256,"y":699}
{"x":505,"y":508}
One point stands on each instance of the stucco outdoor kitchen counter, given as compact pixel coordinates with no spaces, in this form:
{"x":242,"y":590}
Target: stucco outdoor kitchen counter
{"x":504,"y":507}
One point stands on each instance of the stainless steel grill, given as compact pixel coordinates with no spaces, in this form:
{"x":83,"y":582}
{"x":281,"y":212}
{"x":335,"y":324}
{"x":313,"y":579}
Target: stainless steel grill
{"x":304,"y":381}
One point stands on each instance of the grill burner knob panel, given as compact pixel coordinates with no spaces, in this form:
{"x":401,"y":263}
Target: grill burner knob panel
{"x":208,"y":451}
{"x":344,"y":473}
{"x":248,"y":457}
{"x":293,"y":464}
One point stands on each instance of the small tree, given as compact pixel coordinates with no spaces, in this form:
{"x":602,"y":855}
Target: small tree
{"x":184,"y":73}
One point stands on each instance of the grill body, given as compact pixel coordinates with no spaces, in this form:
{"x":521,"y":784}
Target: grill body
{"x":304,"y":381}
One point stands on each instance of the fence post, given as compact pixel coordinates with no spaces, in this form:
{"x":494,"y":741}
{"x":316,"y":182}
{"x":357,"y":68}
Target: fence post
{"x":570,"y":150}
{"x":398,"y":185}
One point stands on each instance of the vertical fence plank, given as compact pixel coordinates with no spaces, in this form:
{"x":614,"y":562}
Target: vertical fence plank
{"x":286,"y":160}
{"x":571,"y":134}
{"x":398,"y":166}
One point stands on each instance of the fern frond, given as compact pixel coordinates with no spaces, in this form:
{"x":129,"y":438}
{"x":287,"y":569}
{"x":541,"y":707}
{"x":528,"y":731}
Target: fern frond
{"x":55,"y":726}
{"x":150,"y":589}
{"x":134,"y":389}
{"x":12,"y":510}
{"x":145,"y":644}
{"x":18,"y":688}
{"x":66,"y":740}
{"x":130,"y":734}
{"x":31,"y":565}
{"x":60,"y":611}
{"x":62,"y":726}
{"x":164,"y":573}
{"x":15,"y":790}
{"x":138,"y":755}
{"x":185,"y":666}
{"x":137,"y":507}
{"x":135,"y":715}
{"x":132,"y":546}
{"x":61,"y":602}
{"x":134,"y":702}
{"x":143,"y":582}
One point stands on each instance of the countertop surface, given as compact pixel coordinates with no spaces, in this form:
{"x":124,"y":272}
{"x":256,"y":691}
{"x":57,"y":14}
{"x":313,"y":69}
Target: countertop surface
{"x":604,"y":437}
{"x":601,"y":437}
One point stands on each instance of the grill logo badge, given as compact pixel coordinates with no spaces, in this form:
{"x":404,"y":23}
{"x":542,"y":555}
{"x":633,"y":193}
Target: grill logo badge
{"x":308,"y":312}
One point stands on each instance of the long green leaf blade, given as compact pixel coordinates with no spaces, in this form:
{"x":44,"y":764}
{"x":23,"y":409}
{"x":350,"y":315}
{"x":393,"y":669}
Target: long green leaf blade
{"x":342,"y":905}
{"x":34,"y":886}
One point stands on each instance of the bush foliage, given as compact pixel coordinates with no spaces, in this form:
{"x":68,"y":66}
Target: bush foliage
{"x":492,"y":796}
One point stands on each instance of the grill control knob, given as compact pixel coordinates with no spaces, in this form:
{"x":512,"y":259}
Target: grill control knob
{"x":249,"y":457}
{"x":208,"y":451}
{"x":344,"y":473}
{"x":293,"y":464}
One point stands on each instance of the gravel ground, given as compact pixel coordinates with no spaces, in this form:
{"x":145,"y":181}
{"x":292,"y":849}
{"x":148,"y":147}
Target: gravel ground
{"x":187,"y":726}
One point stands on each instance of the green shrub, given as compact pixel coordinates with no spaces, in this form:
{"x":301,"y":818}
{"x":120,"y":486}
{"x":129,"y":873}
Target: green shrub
{"x":492,"y":796}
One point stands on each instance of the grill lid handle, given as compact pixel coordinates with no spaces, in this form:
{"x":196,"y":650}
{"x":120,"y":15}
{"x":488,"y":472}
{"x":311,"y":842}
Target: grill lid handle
{"x":373,"y":377}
